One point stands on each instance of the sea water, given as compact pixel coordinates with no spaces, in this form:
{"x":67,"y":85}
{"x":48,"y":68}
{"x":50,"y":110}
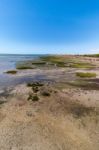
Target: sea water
{"x":8,"y":62}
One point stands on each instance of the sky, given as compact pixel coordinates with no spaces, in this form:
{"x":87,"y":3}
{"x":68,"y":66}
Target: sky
{"x":49,"y":26}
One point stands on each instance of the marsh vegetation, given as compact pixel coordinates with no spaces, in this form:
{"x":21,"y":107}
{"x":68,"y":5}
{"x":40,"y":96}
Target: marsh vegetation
{"x":85,"y":74}
{"x":11,"y":72}
{"x":54,"y":61}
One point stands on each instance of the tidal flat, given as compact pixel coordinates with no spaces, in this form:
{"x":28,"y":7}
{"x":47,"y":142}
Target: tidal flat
{"x":53,"y":104}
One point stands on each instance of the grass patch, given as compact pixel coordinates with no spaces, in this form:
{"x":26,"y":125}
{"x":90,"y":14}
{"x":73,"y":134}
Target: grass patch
{"x":60,"y":64}
{"x":59,"y":61}
{"x":53,"y":59}
{"x":81,"y":65}
{"x":11,"y":72}
{"x":38,"y":63}
{"x":85,"y":75}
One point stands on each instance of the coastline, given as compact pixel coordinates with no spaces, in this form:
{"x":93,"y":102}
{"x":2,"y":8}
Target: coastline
{"x":66,"y":113}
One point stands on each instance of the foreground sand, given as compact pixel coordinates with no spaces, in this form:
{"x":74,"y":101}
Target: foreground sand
{"x":66,"y":120}
{"x":51,"y":123}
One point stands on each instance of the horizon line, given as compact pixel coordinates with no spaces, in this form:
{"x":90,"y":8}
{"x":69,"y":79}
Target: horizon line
{"x":47,"y":54}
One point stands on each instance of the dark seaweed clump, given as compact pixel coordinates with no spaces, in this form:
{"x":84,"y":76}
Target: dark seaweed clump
{"x":45,"y":93}
{"x":33,"y":97}
{"x":35,"y":84}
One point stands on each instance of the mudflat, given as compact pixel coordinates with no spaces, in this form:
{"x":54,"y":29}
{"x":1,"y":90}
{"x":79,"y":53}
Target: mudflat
{"x":57,"y":110}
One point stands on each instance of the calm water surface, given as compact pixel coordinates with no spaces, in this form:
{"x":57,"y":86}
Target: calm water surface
{"x":8,"y":62}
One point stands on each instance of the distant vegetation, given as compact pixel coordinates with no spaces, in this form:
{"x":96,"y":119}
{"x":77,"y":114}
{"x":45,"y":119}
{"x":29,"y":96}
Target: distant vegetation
{"x":55,"y":61}
{"x":63,"y":61}
{"x":92,"y":55}
{"x":85,"y":75}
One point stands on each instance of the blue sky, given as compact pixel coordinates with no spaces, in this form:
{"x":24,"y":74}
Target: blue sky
{"x":49,"y":26}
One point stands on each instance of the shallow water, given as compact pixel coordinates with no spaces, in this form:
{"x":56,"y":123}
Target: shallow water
{"x":8,"y":62}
